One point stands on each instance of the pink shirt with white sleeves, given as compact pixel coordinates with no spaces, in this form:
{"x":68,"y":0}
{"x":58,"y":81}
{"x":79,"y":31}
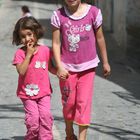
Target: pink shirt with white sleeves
{"x":35,"y":83}
{"x":78,"y":48}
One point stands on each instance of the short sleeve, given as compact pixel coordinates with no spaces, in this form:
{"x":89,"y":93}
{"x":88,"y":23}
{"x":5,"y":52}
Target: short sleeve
{"x":55,"y":21}
{"x":18,"y":57}
{"x":98,"y":20}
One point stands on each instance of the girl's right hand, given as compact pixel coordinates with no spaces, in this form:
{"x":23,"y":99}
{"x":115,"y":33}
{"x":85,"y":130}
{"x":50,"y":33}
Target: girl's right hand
{"x":30,"y":49}
{"x":62,"y":73}
{"x":106,"y":70}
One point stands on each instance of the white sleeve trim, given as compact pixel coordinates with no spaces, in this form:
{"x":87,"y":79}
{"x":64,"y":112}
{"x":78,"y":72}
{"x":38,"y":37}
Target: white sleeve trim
{"x":98,"y":20}
{"x":55,"y":21}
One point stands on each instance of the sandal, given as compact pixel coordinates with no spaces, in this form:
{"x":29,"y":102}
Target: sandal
{"x":73,"y":137}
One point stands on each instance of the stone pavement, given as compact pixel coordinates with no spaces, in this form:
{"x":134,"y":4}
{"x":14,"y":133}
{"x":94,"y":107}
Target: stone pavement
{"x":116,"y":102}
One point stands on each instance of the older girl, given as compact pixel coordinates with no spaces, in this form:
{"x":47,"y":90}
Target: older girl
{"x":76,"y":28}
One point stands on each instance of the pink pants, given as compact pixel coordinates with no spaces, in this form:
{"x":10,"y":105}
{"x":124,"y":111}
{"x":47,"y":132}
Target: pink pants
{"x":38,"y":119}
{"x":77,"y":92}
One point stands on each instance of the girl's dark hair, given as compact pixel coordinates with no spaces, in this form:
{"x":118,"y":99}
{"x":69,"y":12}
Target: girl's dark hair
{"x":25,"y":9}
{"x":27,"y":23}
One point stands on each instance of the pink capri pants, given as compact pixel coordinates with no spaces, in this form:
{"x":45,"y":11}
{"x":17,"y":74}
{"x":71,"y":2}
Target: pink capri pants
{"x":77,"y":92}
{"x":38,"y":119}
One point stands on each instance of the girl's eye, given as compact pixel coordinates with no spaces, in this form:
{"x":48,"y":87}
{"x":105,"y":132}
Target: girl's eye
{"x":29,"y":34}
{"x":22,"y":36}
{"x":26,"y":33}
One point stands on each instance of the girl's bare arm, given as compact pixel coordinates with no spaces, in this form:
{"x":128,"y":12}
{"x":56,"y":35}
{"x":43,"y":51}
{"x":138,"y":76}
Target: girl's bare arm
{"x":22,"y":68}
{"x":61,"y":71}
{"x":103,"y":51}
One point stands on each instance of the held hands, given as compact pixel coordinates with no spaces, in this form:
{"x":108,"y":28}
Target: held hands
{"x":62,"y":73}
{"x":106,"y":70}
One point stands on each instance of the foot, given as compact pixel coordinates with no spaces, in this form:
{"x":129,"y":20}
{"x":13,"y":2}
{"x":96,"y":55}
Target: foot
{"x":73,"y":137}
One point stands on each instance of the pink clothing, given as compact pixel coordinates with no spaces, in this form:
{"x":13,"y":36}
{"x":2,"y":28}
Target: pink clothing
{"x":77,"y":92}
{"x":78,"y":38}
{"x":35,"y":83}
{"x":38,"y":119}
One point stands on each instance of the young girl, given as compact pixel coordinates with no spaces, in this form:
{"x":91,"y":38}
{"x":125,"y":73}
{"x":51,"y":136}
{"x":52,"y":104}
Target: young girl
{"x":25,"y":11}
{"x":32,"y":62}
{"x":75,"y":54}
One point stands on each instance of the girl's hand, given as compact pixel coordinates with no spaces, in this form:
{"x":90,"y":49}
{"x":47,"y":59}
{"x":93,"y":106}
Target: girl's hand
{"x":30,"y":48}
{"x":106,"y":70}
{"x":62,"y":73}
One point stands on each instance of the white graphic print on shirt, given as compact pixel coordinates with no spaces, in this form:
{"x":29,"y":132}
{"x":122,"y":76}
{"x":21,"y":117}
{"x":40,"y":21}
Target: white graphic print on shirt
{"x":31,"y":89}
{"x":73,"y":34}
{"x":39,"y":64}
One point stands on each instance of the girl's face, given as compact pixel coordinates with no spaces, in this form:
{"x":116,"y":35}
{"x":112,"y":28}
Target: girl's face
{"x":28,"y":37}
{"x":72,"y":3}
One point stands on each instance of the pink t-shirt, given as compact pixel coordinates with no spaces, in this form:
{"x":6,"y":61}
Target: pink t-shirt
{"x":78,"y":50}
{"x":35,"y":83}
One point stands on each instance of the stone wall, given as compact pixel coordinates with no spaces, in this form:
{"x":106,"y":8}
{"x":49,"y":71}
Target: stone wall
{"x":133,"y":30}
{"x":107,"y":12}
{"x":122,"y":18}
{"x":115,"y":19}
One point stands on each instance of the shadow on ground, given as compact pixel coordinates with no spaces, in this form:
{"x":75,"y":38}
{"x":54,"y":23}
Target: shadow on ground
{"x":18,"y":138}
{"x":10,"y":108}
{"x":15,"y":138}
{"x":120,"y":134}
{"x":122,"y":73}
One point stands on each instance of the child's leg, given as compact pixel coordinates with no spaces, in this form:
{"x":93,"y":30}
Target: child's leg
{"x":82,"y":132}
{"x":84,"y":97}
{"x":46,"y":119}
{"x":31,"y":119}
{"x":84,"y":101}
{"x":69,"y":128}
{"x":68,"y":91}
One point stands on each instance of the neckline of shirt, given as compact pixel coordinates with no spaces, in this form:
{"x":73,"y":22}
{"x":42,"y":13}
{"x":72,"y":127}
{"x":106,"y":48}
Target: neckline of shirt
{"x":77,"y":18}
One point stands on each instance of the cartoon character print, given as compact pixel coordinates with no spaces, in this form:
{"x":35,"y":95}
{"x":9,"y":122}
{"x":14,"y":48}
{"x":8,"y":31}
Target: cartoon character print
{"x":73,"y":42}
{"x":73,"y":33}
{"x":66,"y":91}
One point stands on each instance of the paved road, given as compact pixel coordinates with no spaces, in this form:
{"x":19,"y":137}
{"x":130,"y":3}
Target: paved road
{"x":116,"y":102}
